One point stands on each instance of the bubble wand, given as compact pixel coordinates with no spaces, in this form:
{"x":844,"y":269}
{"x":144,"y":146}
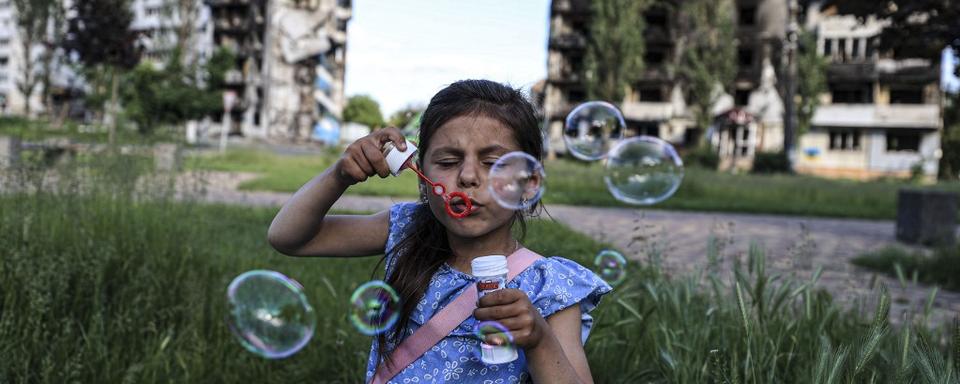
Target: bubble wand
{"x":398,"y":160}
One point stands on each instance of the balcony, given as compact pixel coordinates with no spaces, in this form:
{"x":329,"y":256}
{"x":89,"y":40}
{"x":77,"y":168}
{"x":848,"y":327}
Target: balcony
{"x":923,"y":116}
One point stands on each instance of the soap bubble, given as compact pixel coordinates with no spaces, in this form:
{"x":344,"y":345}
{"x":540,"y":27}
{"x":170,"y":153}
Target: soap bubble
{"x":643,"y":170}
{"x":611,"y":266}
{"x":517,"y":181}
{"x":375,"y":308}
{"x":493,"y":333}
{"x":269,"y":313}
{"x":591,"y":129}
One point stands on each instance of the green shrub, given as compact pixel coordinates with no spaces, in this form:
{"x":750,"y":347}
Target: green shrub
{"x":771,"y":162}
{"x":703,"y":157}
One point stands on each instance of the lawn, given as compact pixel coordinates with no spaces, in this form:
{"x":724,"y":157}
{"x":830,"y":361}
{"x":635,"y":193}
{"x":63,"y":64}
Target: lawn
{"x":106,"y":279}
{"x":578,"y":183}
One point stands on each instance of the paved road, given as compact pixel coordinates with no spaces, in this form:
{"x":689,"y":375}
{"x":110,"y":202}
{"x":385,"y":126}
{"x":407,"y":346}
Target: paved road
{"x":793,"y":245}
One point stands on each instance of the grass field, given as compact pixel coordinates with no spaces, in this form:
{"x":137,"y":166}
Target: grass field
{"x":577,"y":183}
{"x":106,"y":279}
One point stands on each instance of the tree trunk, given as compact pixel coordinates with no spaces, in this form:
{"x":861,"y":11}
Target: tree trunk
{"x":110,"y":111}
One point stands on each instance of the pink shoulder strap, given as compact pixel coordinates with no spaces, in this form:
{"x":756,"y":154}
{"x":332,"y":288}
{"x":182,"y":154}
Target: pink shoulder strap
{"x":445,"y":321}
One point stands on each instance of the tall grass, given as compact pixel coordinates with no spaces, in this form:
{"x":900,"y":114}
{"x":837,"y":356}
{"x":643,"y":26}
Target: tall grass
{"x":105,"y":277}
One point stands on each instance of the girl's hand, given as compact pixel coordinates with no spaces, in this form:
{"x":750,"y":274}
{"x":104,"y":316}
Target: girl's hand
{"x":512,"y":309}
{"x":364,"y":157}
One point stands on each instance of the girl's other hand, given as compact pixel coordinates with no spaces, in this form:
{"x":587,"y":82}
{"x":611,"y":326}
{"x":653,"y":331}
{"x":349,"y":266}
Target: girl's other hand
{"x":364,"y":157}
{"x":513,"y":309}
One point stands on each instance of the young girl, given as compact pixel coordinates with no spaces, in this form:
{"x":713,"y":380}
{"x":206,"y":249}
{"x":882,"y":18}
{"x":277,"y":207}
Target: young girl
{"x":464,"y":130}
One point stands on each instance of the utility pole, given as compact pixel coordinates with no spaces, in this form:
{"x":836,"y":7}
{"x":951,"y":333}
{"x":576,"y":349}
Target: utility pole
{"x":790,"y":83}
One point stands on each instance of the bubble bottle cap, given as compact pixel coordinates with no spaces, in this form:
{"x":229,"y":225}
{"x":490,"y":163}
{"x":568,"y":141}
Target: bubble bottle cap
{"x":397,"y":158}
{"x":493,"y":265}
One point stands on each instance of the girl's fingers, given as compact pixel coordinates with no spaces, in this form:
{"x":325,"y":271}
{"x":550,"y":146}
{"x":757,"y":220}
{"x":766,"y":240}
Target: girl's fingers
{"x":361,"y":161}
{"x":373,"y":155}
{"x":498,"y":312}
{"x":394,"y":135}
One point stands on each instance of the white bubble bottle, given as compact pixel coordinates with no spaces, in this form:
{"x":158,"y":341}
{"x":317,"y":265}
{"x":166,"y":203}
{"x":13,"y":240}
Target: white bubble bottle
{"x":491,"y":274}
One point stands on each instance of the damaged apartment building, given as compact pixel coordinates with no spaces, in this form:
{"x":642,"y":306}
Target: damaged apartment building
{"x":880,"y":117}
{"x":287,"y":80}
{"x":289,"y":72}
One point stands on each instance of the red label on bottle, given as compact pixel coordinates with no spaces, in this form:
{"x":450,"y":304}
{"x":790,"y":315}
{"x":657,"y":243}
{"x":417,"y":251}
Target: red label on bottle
{"x":488,"y":285}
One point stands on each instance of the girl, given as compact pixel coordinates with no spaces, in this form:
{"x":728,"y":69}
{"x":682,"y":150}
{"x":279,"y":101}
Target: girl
{"x":464,"y":130}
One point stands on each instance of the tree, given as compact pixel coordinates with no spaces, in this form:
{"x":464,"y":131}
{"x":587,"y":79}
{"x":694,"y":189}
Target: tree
{"x":99,"y":35}
{"x":615,"y":47}
{"x":916,"y":28}
{"x":363,"y":109}
{"x":170,"y":95}
{"x":401,"y":118}
{"x":33,"y":16}
{"x":707,"y":46}
{"x":812,"y":76}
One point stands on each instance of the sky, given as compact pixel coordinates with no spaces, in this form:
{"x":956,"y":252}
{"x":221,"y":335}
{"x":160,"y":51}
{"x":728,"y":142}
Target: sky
{"x":401,"y":52}
{"x":948,"y":79}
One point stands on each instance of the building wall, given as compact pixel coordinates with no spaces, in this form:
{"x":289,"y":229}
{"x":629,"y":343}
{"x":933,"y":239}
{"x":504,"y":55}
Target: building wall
{"x":12,"y":65}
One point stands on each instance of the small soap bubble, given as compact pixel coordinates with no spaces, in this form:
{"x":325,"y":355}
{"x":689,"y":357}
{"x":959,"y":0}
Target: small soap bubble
{"x":375,"y":308}
{"x":517,"y":181}
{"x":269,"y":313}
{"x":493,"y":333}
{"x":591,"y":129}
{"x":611,"y":266}
{"x":643,"y":170}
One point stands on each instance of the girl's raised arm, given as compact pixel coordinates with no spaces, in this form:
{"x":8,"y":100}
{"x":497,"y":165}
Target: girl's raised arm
{"x":303,"y":228}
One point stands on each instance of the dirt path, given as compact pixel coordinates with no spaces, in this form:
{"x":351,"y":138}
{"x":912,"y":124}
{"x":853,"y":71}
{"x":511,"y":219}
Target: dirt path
{"x":793,"y":245}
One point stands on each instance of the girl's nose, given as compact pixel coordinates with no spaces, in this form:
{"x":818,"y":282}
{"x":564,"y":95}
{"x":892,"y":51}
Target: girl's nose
{"x":469,"y":175}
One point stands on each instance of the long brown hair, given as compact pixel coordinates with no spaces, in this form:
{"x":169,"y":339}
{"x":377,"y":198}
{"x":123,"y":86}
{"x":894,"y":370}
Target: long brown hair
{"x":425,"y":247}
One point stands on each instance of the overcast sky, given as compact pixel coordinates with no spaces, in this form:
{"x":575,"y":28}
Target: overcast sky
{"x":402,"y":52}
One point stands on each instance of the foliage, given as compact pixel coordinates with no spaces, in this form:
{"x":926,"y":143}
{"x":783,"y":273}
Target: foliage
{"x":615,"y":46}
{"x":915,"y":28}
{"x":136,"y":294}
{"x":941,"y":268}
{"x":702,"y":156}
{"x":405,"y":116}
{"x":170,"y":95}
{"x":812,"y":80}
{"x":950,"y":141}
{"x":771,"y":162}
{"x":708,"y":54}
{"x":363,"y":109}
{"x":99,"y":34}
{"x":33,"y":17}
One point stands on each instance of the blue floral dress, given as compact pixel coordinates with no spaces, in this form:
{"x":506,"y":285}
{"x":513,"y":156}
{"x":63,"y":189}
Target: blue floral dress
{"x":551,"y":283}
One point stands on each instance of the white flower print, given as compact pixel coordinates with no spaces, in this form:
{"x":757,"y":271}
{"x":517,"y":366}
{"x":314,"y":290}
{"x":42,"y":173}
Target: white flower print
{"x":452,"y":370}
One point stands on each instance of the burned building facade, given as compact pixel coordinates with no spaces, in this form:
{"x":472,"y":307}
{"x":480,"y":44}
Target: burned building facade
{"x":890,"y":106}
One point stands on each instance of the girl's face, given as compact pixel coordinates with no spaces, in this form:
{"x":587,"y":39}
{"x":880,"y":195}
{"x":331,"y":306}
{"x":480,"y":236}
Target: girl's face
{"x":460,"y":156}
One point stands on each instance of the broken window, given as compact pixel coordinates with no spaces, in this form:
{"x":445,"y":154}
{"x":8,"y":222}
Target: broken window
{"x":903,"y":141}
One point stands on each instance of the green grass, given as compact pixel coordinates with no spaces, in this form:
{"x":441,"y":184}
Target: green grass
{"x":38,"y":130}
{"x":941,"y":268}
{"x":105,"y":279}
{"x":578,"y":183}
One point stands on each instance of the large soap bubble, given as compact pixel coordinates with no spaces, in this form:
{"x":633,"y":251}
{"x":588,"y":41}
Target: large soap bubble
{"x":591,"y":129}
{"x":375,"y":308}
{"x":269,"y":313}
{"x":611,"y":266}
{"x":517,"y":181}
{"x":643,"y":170}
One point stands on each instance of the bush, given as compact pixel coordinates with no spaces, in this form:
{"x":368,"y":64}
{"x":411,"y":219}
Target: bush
{"x":703,"y":157}
{"x":771,"y":162}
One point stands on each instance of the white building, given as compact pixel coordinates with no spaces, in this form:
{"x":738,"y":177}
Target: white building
{"x":159,"y":21}
{"x":12,"y":64}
